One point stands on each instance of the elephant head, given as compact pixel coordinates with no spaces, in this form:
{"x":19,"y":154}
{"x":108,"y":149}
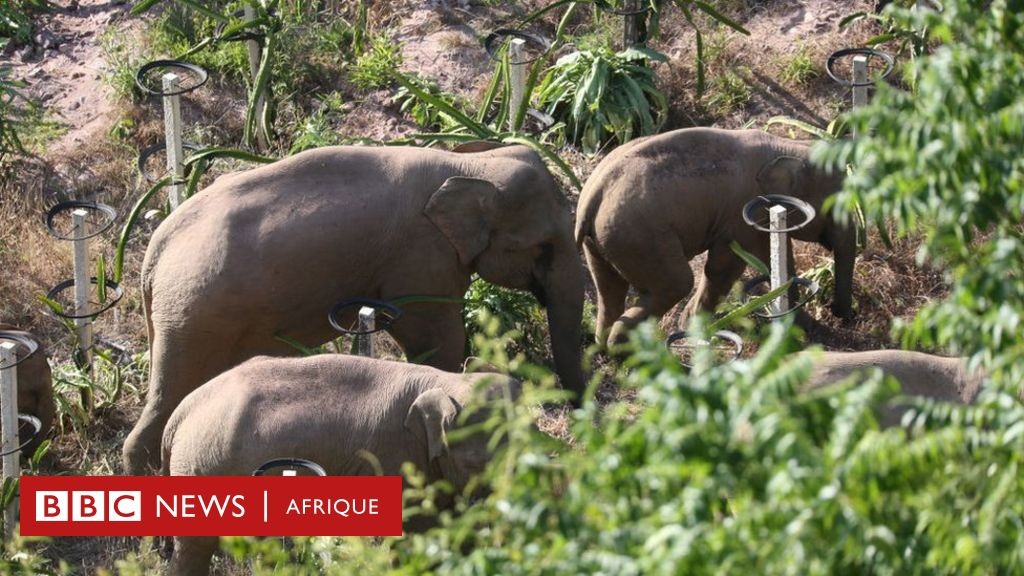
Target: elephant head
{"x":794,"y":175}
{"x":435,"y":413}
{"x":515,"y":230}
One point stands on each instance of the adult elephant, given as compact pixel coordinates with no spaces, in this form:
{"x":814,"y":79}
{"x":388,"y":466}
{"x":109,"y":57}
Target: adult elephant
{"x":654,"y":204}
{"x":265,"y":254}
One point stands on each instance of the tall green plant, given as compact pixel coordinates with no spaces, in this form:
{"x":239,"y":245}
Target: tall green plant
{"x":690,"y":9}
{"x":16,"y":19}
{"x":11,"y":114}
{"x":604,"y":96}
{"x":465,"y":128}
{"x":264,"y":28}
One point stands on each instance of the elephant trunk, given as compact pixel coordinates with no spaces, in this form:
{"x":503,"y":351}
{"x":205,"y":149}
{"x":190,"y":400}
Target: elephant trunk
{"x":561,"y":289}
{"x":843,"y":239}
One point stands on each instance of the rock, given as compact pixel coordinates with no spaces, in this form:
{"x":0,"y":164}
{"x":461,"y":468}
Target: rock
{"x":75,"y":105}
{"x":77,"y":74}
{"x":37,"y":73}
{"x":27,"y":53}
{"x":48,"y":40}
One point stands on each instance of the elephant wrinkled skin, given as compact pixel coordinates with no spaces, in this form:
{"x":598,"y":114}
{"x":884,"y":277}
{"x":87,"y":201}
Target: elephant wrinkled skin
{"x":268,"y":408}
{"x":267,"y":252}
{"x":654,"y":204}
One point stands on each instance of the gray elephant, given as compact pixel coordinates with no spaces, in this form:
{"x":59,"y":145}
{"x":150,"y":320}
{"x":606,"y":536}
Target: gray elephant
{"x":654,"y":204}
{"x":919,"y":374}
{"x":327,"y":409}
{"x":266,"y":253}
{"x":35,"y":389}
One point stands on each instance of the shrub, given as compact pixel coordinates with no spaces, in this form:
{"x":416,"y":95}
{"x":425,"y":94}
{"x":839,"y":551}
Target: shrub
{"x":724,"y":469}
{"x":604,"y":96}
{"x":945,"y":163}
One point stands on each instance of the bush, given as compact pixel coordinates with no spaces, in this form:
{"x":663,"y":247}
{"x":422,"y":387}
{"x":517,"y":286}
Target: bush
{"x":945,"y":162}
{"x":726,"y":469}
{"x":603,"y":96}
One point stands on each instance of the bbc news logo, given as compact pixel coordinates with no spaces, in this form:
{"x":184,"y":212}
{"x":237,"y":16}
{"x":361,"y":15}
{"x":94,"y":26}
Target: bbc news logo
{"x":211,"y":506}
{"x":89,"y":506}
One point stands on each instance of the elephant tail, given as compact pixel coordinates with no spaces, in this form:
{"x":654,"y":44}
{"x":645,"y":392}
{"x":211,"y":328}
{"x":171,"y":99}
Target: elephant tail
{"x":586,"y":213}
{"x":165,"y":444}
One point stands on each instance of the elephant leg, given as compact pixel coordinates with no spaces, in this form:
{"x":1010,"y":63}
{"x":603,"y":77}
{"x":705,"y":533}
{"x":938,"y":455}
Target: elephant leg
{"x":432,"y":334}
{"x":721,"y":271}
{"x":611,"y":292}
{"x":179,"y":365}
{"x":662,"y":278}
{"x":192,"y":555}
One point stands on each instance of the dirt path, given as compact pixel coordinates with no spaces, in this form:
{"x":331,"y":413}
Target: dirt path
{"x":65,"y":67}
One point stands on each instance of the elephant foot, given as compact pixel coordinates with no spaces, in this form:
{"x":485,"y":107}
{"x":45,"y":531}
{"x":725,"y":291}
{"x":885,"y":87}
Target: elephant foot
{"x":138,"y":459}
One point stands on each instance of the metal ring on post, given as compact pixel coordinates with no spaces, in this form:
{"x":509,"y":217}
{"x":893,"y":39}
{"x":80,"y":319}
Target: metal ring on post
{"x":767,"y":201}
{"x":32,"y":422}
{"x":148,"y":151}
{"x":493,"y":51}
{"x":391,"y":313}
{"x":811,"y":287}
{"x":200,"y":73}
{"x":290,"y":463}
{"x":25,"y":343}
{"x":113,"y":297}
{"x":724,"y":335}
{"x":94,"y":207}
{"x":870,"y":52}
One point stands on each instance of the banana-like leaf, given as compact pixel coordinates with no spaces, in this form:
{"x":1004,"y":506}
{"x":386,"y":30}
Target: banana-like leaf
{"x":548,"y":155}
{"x":439,"y":103}
{"x":751,"y":260}
{"x":710,"y":11}
{"x":101,"y":278}
{"x":133,"y":216}
{"x":748,"y":308}
{"x":805,"y":126}
{"x":233,"y":153}
{"x":299,"y":346}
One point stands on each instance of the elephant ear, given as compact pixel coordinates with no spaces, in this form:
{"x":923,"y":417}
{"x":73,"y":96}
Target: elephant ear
{"x":430,"y":417}
{"x":783,"y":175}
{"x":462,"y":209}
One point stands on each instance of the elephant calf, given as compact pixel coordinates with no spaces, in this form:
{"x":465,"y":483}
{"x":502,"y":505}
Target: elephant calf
{"x":919,"y":374}
{"x":327,"y":409}
{"x":35,"y":389}
{"x":654,"y":204}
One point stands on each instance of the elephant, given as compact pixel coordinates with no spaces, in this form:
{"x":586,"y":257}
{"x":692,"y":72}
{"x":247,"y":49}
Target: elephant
{"x":655,"y":203}
{"x":328,"y":409}
{"x":35,"y":389}
{"x":262,"y":256}
{"x":919,"y":374}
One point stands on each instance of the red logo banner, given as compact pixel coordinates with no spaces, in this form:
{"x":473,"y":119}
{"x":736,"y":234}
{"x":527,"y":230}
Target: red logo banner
{"x":211,"y":506}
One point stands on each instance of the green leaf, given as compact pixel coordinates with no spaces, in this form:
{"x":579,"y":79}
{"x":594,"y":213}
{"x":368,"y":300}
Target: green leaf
{"x":413,"y":86}
{"x":129,"y":224}
{"x":101,"y":278}
{"x":548,"y":155}
{"x":751,"y":260}
{"x":800,"y":124}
